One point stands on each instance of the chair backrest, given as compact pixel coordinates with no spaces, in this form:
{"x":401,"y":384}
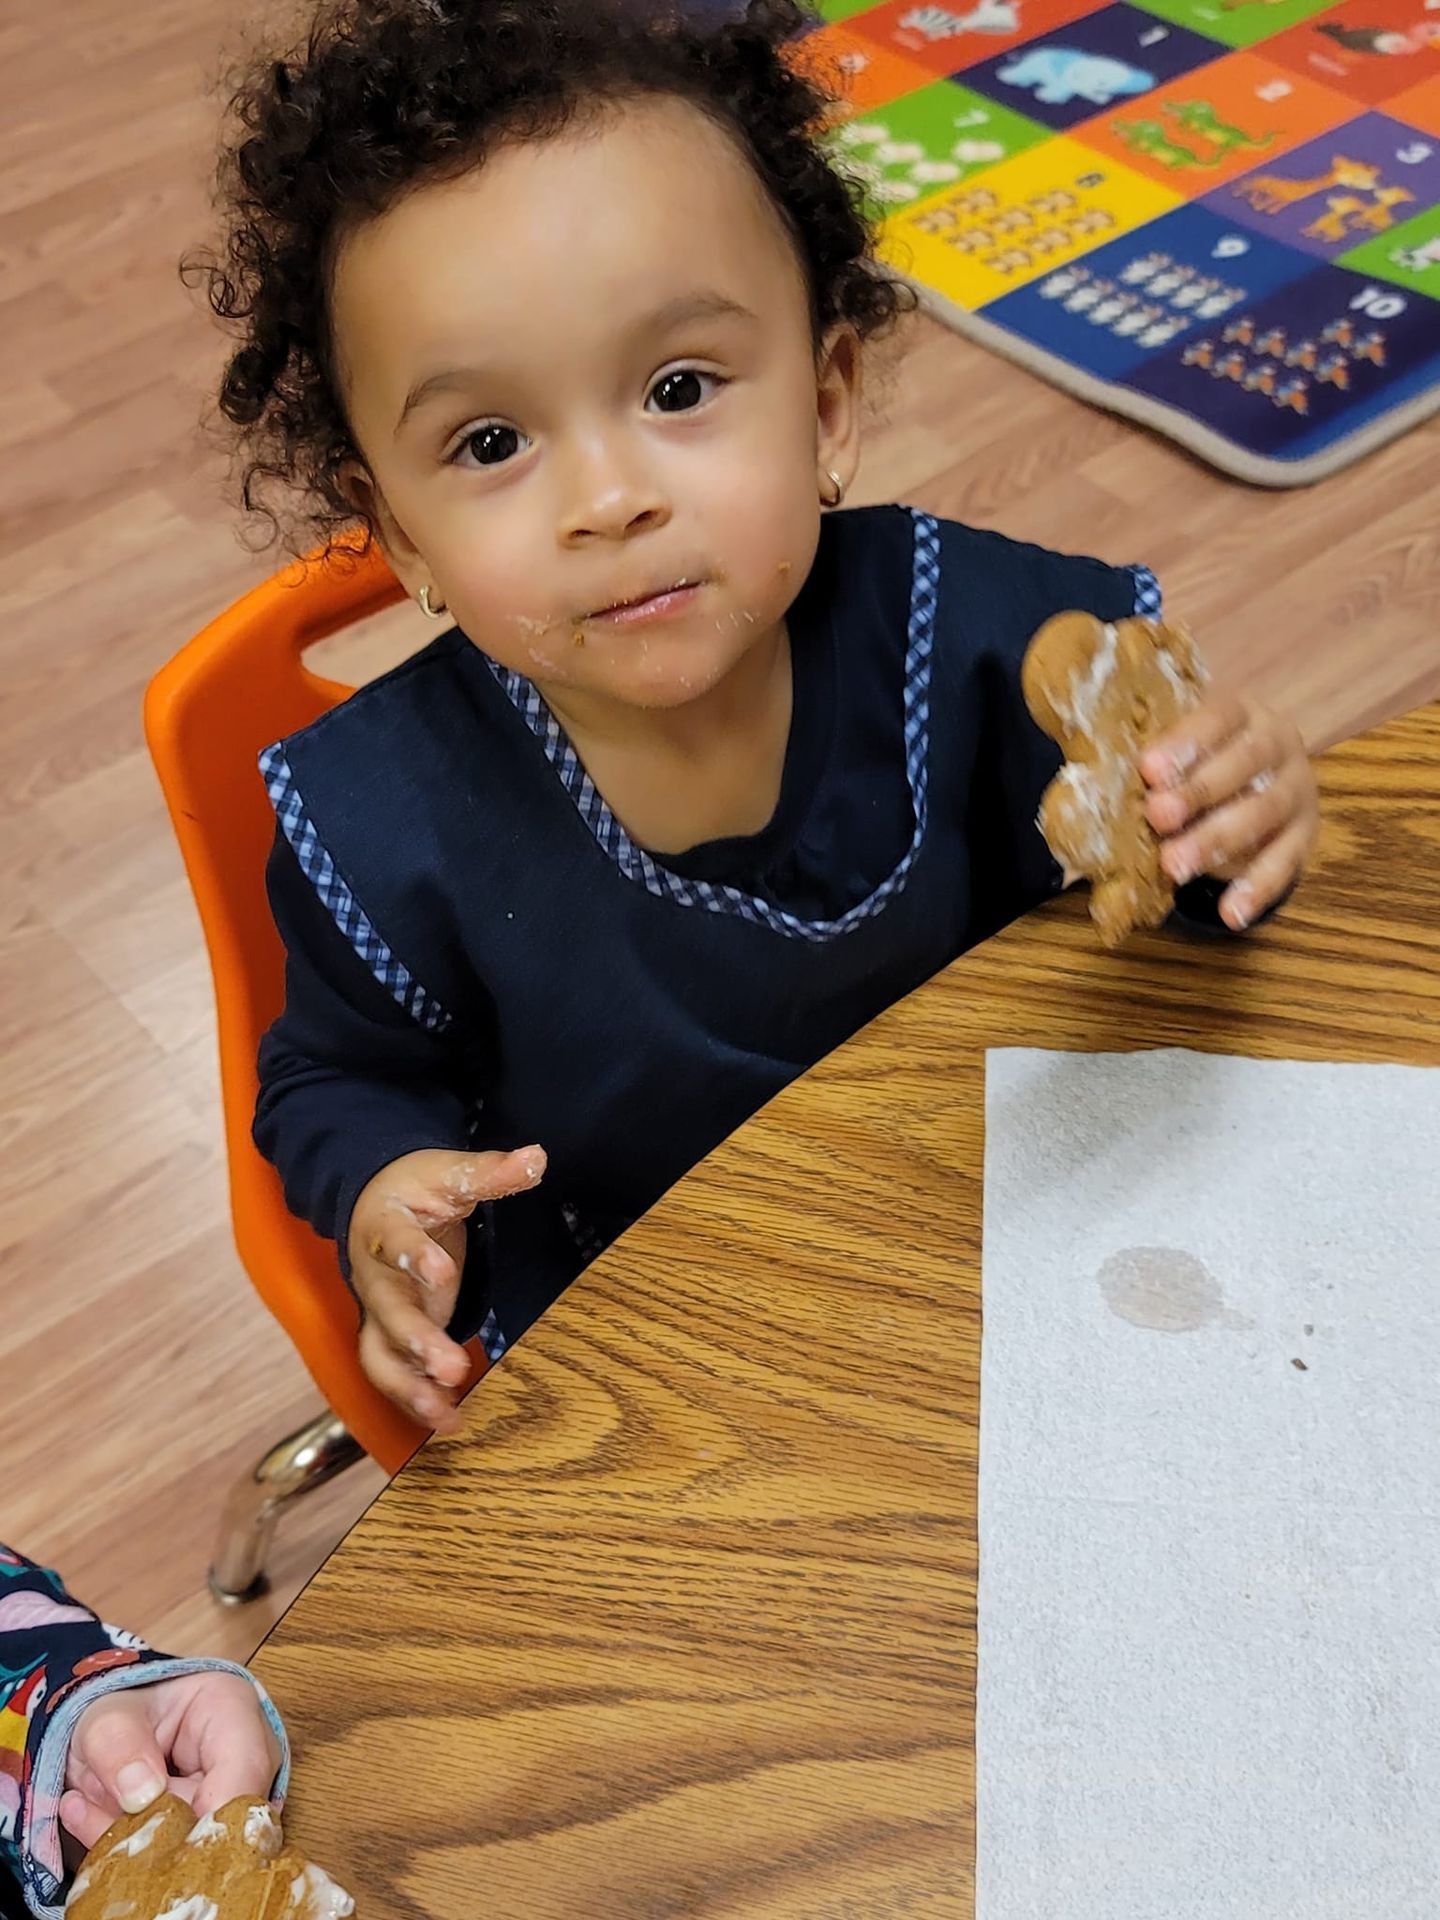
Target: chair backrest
{"x":237,"y":686}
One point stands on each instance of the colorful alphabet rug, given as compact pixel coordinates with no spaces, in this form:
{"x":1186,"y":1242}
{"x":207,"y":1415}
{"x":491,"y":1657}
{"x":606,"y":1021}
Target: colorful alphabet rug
{"x":1219,"y":217}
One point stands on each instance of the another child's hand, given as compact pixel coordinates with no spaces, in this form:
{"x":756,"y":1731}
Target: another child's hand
{"x":1234,"y":797}
{"x":203,"y":1737}
{"x":407,"y":1253}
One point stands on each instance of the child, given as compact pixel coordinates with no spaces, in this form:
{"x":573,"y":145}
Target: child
{"x":563,"y":303}
{"x":93,"y":1723}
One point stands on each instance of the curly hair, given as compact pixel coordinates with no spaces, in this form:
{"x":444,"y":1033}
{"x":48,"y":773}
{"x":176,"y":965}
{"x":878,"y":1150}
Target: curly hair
{"x":381,"y":96}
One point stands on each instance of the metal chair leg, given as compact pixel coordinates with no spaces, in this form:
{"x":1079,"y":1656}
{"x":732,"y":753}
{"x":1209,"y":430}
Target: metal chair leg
{"x":317,"y":1453}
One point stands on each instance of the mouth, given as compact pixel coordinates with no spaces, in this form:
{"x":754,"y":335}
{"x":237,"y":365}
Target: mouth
{"x":661,"y":603}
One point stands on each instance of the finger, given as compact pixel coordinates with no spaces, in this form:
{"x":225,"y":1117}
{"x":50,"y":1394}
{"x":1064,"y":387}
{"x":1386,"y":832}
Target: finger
{"x":82,"y":1818}
{"x":399,"y":1241}
{"x":240,"y":1752}
{"x":413,"y":1315}
{"x":399,"y":1378}
{"x":473,"y":1179}
{"x":1203,"y":731}
{"x":219,"y":1726}
{"x":1255,"y":754}
{"x":1269,"y":877}
{"x":393,"y":1308}
{"x":84,"y":1781}
{"x":411,"y":1221}
{"x":249,"y":1774}
{"x":115,"y":1742}
{"x":1224,"y":841}
{"x":454,"y":1240}
{"x":404,"y":1383}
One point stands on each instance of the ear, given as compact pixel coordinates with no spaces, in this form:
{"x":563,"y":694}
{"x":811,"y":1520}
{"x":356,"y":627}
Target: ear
{"x":369,"y":502}
{"x":838,"y":382}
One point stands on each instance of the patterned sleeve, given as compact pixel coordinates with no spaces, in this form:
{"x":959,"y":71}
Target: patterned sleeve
{"x":56,"y":1659}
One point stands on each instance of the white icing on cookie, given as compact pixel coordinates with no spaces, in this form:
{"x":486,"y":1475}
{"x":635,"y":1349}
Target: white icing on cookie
{"x":261,"y":1830}
{"x":1087,"y":689}
{"x":204,"y":1831}
{"x":141,"y":1838}
{"x":1096,"y":792}
{"x":196,"y":1907}
{"x":1183,"y":689}
{"x":315,"y":1896}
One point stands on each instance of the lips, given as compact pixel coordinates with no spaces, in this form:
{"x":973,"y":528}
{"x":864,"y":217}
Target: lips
{"x":658,"y":603}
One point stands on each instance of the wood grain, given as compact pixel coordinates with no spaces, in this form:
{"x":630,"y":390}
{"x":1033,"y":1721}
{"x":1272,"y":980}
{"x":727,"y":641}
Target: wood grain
{"x":684,"y":1621}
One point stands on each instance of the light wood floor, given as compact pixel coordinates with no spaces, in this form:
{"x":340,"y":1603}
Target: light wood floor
{"x":139,"y":1373}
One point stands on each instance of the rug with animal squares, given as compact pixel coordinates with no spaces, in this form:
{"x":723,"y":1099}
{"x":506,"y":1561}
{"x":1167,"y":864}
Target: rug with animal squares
{"x":1219,"y":217}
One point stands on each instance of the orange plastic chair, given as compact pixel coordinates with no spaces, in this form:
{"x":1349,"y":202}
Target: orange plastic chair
{"x":237,"y":686}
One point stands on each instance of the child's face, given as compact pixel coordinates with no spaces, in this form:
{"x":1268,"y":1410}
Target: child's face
{"x":583,"y":376}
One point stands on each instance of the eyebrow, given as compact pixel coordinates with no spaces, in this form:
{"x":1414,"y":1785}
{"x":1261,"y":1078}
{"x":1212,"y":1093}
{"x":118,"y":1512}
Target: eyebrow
{"x":684,"y":310}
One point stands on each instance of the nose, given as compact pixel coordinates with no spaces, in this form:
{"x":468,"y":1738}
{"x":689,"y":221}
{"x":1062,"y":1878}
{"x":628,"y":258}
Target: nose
{"x":611,"y":494}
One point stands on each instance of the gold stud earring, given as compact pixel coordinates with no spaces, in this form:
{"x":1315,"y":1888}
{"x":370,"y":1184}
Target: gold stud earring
{"x":838,"y":484}
{"x":429,"y":609}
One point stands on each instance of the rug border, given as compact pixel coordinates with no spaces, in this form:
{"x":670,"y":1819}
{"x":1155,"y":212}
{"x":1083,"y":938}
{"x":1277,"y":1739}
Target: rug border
{"x":1257,"y":470}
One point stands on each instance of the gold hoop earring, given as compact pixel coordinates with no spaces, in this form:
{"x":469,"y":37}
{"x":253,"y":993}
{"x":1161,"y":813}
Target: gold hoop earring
{"x":430,"y":611}
{"x":838,"y":484}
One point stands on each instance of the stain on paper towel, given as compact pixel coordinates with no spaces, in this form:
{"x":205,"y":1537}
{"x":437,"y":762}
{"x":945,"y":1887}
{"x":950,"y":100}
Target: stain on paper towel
{"x":1165,"y":1290}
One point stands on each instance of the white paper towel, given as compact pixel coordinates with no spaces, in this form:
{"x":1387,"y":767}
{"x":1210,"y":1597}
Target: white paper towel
{"x":1209,"y":1662}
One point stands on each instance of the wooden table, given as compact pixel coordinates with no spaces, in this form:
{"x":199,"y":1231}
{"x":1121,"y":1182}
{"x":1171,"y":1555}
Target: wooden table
{"x":683,"y":1623}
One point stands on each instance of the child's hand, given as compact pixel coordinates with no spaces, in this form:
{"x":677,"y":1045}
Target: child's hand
{"x":203,"y":1737}
{"x":407,"y":1252}
{"x":1234,"y":797}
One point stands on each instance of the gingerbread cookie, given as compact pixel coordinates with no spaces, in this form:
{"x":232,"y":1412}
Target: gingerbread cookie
{"x":163,"y":1864}
{"x":1103,"y":693}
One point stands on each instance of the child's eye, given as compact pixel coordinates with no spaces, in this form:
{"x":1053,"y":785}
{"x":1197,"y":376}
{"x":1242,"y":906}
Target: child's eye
{"x":489,"y":446}
{"x":683,"y":390}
